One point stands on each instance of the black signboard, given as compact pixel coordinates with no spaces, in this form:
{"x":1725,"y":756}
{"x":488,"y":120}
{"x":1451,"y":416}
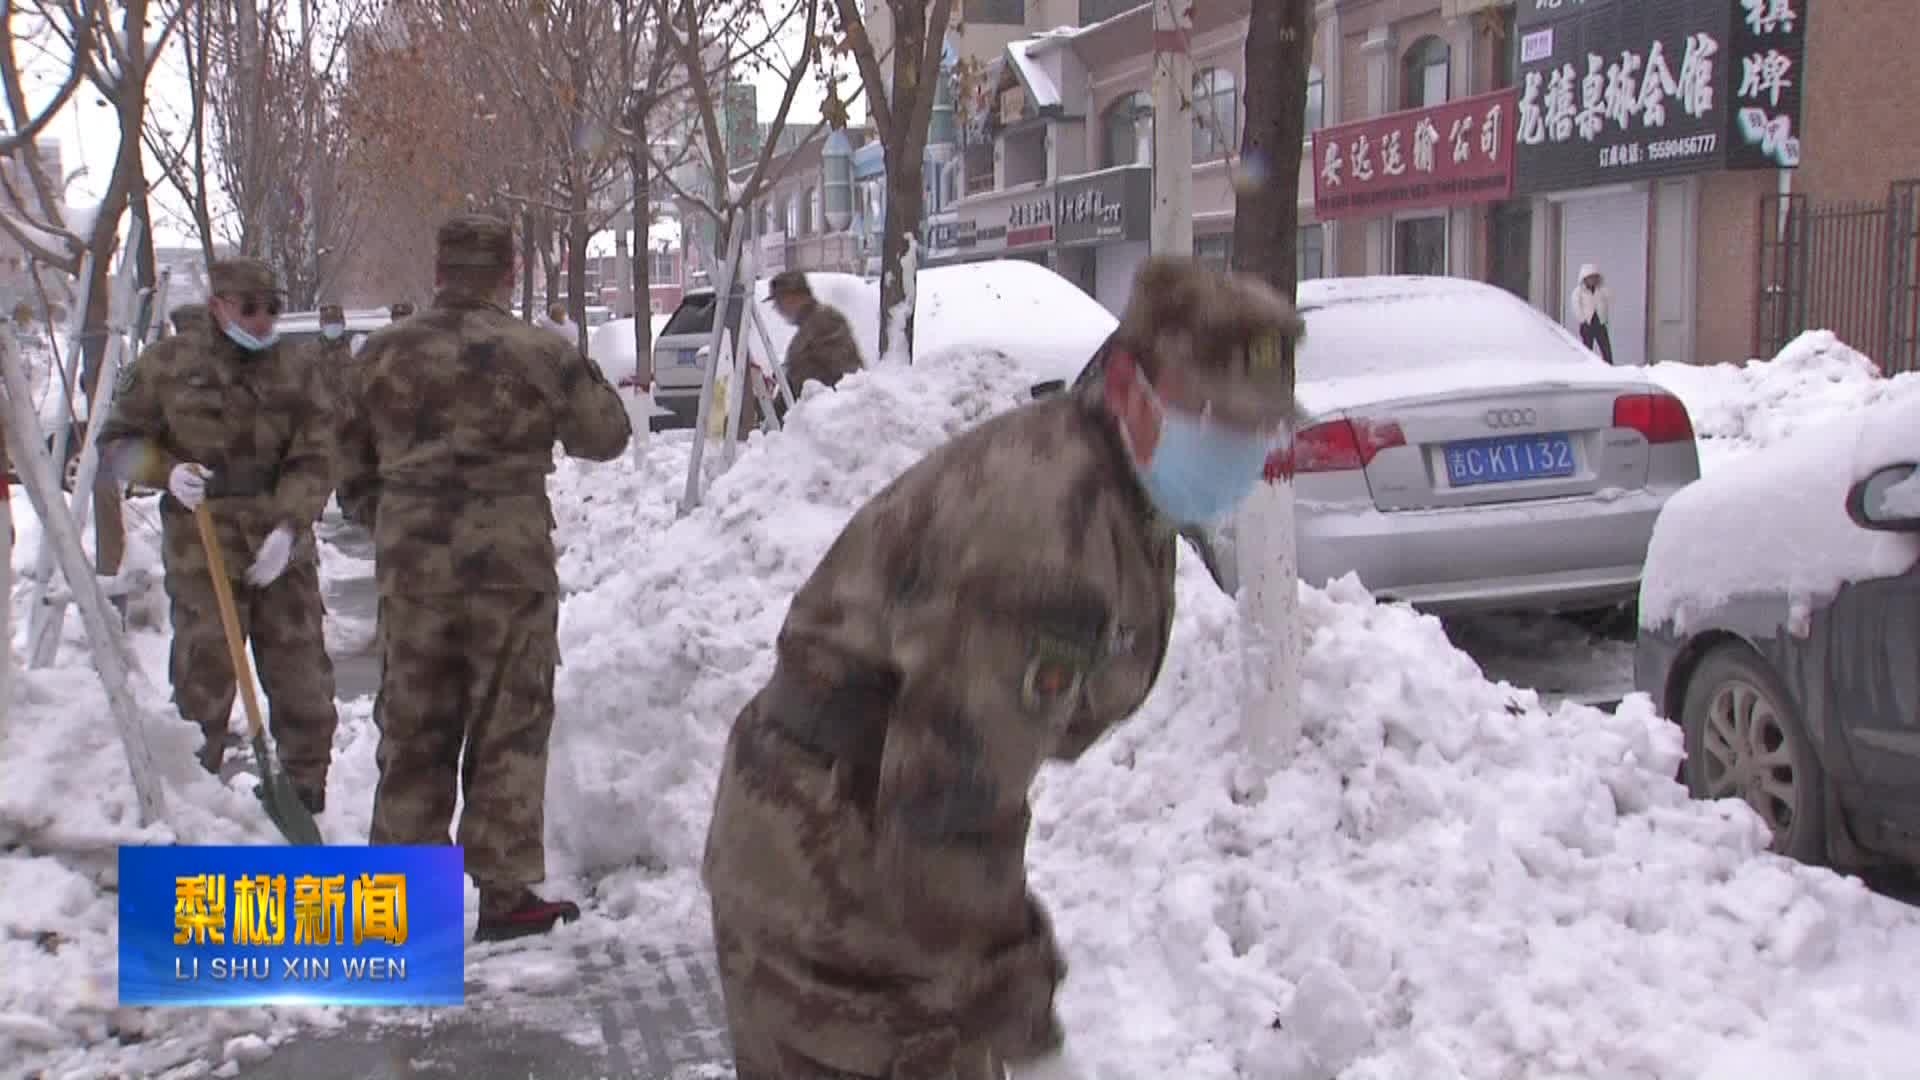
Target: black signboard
{"x":1765,"y":73}
{"x":1104,"y":206}
{"x":1621,"y":90}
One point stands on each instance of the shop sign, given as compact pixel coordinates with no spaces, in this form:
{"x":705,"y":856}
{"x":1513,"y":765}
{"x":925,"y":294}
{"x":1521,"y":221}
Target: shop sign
{"x":1030,"y":221}
{"x":1613,"y":91}
{"x":948,"y":236}
{"x":1768,"y":47}
{"x":1104,"y":207}
{"x":1454,"y":154}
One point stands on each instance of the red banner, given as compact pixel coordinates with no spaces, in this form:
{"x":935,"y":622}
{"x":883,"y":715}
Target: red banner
{"x":1457,"y":153}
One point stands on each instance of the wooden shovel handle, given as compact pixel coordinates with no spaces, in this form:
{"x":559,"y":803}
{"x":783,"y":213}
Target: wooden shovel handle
{"x":229,"y":616}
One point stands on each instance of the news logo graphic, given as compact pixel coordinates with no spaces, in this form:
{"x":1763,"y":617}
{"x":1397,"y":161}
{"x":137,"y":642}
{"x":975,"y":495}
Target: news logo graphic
{"x":230,"y":926}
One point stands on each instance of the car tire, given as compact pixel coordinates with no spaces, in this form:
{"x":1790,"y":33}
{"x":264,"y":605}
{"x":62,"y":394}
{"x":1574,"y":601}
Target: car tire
{"x":1745,"y":740}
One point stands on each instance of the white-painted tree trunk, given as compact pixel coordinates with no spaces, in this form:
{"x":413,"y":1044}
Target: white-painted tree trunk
{"x":1269,"y":601}
{"x":1172,"y":224}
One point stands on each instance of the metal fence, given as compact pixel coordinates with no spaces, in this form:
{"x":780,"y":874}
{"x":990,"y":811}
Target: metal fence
{"x":1849,"y":267}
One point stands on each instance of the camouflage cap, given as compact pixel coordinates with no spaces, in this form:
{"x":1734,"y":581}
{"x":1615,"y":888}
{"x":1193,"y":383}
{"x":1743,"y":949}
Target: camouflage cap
{"x":478,"y":241}
{"x":332,"y":313}
{"x":400,"y":309}
{"x":789,"y":283}
{"x":187,"y":317}
{"x":1224,"y":333}
{"x":242,"y":277}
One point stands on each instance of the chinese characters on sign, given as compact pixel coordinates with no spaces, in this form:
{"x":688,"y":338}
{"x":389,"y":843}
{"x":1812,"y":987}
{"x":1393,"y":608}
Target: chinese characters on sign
{"x":1104,"y":206}
{"x":1768,"y":43}
{"x":1621,"y":91}
{"x":1030,"y":222}
{"x":232,"y":926}
{"x":319,"y":910}
{"x":1455,"y":154}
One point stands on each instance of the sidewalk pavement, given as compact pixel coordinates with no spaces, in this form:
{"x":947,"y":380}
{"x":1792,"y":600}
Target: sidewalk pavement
{"x":633,"y":1013}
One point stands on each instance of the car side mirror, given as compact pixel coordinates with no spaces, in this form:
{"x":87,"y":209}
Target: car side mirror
{"x":1887,"y":500}
{"x":1048,"y":388}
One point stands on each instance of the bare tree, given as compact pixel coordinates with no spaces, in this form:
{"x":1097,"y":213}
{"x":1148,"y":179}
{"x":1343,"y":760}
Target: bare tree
{"x":707,"y":40}
{"x":900,"y":118}
{"x":116,"y":59}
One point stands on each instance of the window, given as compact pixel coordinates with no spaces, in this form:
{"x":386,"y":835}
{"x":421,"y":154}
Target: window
{"x":978,"y":156}
{"x":1094,"y":11}
{"x":660,"y":266}
{"x":791,"y":212}
{"x":996,"y":12}
{"x":1420,"y":246}
{"x":1128,"y":129}
{"x":1215,"y":250}
{"x":1216,"y":115}
{"x":694,"y":316}
{"x":1316,"y":100}
{"x":1424,"y":73}
{"x":816,"y":214}
{"x":1310,"y":253}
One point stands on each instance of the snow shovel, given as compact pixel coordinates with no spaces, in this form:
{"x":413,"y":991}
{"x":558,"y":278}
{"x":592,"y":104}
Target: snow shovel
{"x":277,"y":794}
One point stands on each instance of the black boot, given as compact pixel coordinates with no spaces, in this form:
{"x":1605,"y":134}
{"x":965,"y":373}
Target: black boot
{"x":525,"y":915}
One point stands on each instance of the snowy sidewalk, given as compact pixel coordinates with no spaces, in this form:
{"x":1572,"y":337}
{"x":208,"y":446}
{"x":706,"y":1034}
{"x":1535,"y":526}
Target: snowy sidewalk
{"x":627,"y":1012}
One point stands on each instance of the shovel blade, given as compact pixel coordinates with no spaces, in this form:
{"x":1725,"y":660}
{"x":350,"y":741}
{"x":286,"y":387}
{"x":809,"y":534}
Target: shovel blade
{"x":283,"y":804}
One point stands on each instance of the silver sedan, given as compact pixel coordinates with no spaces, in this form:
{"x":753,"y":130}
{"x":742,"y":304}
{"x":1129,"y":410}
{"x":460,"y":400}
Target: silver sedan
{"x":1464,"y":453}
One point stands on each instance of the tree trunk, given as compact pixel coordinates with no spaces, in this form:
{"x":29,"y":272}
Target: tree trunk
{"x":577,"y":236}
{"x":906,"y":166}
{"x":529,"y":258}
{"x":1265,"y":239}
{"x":1266,"y":221}
{"x":642,"y":274}
{"x":904,"y":183}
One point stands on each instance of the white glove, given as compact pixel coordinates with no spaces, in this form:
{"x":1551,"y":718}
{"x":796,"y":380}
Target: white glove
{"x":188,"y":483}
{"x":1059,"y":1065}
{"x":272,"y":560}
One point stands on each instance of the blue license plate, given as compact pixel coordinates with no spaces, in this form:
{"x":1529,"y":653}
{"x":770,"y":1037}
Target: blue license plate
{"x":1514,"y":457}
{"x":687,"y":358}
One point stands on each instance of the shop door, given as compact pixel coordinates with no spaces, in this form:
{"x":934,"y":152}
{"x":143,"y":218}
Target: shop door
{"x":1609,"y":231}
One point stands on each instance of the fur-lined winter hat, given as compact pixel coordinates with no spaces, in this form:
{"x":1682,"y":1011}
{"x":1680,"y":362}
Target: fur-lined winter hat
{"x":1226,"y":334}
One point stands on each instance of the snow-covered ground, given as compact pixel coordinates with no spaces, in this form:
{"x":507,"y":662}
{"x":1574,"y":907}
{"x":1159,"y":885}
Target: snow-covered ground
{"x":1448,"y":879}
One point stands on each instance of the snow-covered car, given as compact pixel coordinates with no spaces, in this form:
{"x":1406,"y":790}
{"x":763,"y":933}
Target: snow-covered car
{"x":1780,"y":627}
{"x":1463,"y":452}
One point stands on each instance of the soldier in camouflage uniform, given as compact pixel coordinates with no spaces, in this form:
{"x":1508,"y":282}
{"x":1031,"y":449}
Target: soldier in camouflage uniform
{"x":451,"y":423}
{"x":822,"y":349}
{"x":1004,"y":602}
{"x":227,"y":415}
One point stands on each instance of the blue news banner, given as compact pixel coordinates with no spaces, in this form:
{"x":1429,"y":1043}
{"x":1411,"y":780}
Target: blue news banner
{"x":229,"y":926}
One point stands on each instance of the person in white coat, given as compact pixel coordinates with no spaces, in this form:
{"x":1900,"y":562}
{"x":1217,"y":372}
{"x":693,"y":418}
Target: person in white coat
{"x":1590,"y":301}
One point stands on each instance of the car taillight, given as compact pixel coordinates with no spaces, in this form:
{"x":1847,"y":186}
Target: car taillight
{"x":1662,"y":418}
{"x":1335,"y":446}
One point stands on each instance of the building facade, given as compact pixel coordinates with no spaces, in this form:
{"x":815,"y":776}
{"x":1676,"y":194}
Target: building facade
{"x":1055,"y":161}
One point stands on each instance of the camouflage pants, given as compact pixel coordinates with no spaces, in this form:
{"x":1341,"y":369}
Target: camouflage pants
{"x":471,"y":671}
{"x":755,"y":1022}
{"x":284,"y":623}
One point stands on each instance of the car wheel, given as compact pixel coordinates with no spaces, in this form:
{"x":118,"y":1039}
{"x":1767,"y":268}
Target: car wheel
{"x":1744,"y":740}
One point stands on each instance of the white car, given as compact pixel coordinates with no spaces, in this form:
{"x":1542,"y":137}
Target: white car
{"x":1462,"y":452}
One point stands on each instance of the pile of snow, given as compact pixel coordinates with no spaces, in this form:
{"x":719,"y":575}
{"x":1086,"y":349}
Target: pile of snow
{"x":977,"y":306}
{"x":1788,"y":503}
{"x":1739,"y":408}
{"x":1449,"y":881}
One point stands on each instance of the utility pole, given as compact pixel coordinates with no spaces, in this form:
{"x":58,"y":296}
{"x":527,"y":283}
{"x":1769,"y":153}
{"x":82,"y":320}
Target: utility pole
{"x":1172,"y":228}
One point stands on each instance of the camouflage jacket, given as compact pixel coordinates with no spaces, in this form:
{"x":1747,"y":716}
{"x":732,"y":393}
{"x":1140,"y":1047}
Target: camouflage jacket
{"x":449,"y":425}
{"x":1005,"y":601}
{"x":822,"y":349}
{"x":260,"y":421}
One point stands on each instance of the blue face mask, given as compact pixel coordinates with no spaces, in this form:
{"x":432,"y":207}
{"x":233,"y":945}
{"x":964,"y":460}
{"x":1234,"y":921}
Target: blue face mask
{"x":332,"y":333}
{"x":239,"y":336}
{"x":1201,"y":469}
